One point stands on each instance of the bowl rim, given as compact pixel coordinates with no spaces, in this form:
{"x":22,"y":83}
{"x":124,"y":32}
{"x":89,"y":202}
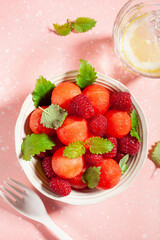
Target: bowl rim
{"x":84,"y":200}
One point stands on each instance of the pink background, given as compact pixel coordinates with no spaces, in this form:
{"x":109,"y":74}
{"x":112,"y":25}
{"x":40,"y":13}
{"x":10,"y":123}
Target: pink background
{"x":29,"y":48}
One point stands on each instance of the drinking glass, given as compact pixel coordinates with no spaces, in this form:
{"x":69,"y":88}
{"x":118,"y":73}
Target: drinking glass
{"x":136,"y":35}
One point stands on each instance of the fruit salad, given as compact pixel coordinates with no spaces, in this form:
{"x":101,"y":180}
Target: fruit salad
{"x":82,"y":133}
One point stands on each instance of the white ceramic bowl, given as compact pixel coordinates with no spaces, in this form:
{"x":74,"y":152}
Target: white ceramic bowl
{"x":33,"y":168}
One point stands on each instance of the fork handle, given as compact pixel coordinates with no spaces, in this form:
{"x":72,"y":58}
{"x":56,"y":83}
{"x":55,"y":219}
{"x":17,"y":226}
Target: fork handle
{"x":58,"y":232}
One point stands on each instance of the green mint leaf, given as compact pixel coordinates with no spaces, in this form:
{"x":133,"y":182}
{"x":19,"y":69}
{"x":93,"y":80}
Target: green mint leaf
{"x":134,"y":125}
{"x":42,"y":92}
{"x":91,"y":176}
{"x":62,"y":30}
{"x":156,"y":154}
{"x":122,"y":163}
{"x":34,"y":144}
{"x":134,"y":133}
{"x":87,"y":74}
{"x":84,"y":24}
{"x":134,"y":119}
{"x":100,"y":146}
{"x":74,"y":150}
{"x":53,"y":116}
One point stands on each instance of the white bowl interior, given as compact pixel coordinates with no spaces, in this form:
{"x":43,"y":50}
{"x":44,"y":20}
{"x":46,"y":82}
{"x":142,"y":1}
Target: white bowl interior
{"x":33,"y":168}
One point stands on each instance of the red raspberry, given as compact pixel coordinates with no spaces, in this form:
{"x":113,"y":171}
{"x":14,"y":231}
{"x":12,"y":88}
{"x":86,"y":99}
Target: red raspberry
{"x":58,"y":144}
{"x":94,"y":159}
{"x":119,"y":156}
{"x":60,"y":186}
{"x":47,"y":167}
{"x":129,"y":145}
{"x":44,"y":154}
{"x":97,"y":125}
{"x":80,"y":106}
{"x":121,"y":101}
{"x":113,"y":152}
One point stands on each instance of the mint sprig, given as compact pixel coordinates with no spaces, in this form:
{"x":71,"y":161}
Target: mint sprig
{"x":156,"y":154}
{"x":34,"y":144}
{"x":134,"y":125}
{"x":122,"y":163}
{"x":84,"y":24}
{"x":81,"y":24}
{"x":91,"y":176}
{"x":42,"y":93}
{"x":53,"y":116}
{"x":74,"y":150}
{"x":62,"y":30}
{"x":87,"y":74}
{"x":100,"y":145}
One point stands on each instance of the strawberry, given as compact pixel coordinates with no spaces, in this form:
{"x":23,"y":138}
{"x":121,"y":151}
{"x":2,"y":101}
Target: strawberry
{"x":73,"y":129}
{"x":99,"y":97}
{"x":110,"y":174}
{"x":76,"y":182}
{"x":66,"y":167}
{"x":35,"y":123}
{"x":63,"y":94}
{"x":118,"y":123}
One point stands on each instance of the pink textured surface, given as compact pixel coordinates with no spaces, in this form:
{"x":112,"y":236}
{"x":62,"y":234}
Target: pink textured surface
{"x":28,"y":48}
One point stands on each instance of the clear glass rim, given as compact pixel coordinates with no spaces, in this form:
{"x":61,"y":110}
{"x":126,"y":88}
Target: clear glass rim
{"x":126,"y":65}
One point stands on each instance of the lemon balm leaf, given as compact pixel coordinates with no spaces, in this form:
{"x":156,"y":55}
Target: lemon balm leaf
{"x":156,"y":154}
{"x":42,"y":92}
{"x":81,"y":24}
{"x":84,"y":24}
{"x":74,"y":150}
{"x":100,"y":146}
{"x":53,"y":116}
{"x":134,"y":133}
{"x":91,"y":176}
{"x":122,"y":163}
{"x":62,"y":30}
{"x":134,"y":125}
{"x":87,"y":74}
{"x":34,"y":144}
{"x":134,"y":119}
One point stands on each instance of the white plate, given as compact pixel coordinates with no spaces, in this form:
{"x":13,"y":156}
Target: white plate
{"x":33,"y":168}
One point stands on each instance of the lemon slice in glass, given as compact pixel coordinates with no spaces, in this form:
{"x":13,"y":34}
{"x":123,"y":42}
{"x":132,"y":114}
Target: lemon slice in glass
{"x":140,"y":47}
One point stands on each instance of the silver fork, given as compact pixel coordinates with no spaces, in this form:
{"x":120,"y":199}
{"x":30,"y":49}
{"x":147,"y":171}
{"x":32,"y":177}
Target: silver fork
{"x":28,"y":203}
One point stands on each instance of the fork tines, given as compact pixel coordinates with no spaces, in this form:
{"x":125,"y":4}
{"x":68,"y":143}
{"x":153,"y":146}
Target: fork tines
{"x":17,"y":190}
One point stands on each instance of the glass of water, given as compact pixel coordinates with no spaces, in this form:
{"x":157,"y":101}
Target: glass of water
{"x":136,"y":36}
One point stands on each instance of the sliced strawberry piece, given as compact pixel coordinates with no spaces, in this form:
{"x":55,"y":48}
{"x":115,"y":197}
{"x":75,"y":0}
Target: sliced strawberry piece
{"x":118,"y":123}
{"x":35,"y":123}
{"x":110,"y":174}
{"x":76,"y":182}
{"x":73,"y":129}
{"x":66,"y":167}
